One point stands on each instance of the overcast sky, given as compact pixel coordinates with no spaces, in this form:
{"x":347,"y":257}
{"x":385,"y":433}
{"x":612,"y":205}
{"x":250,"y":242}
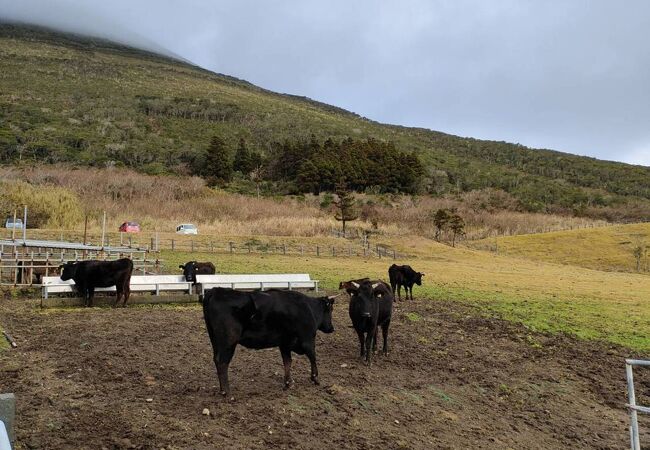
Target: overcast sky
{"x":570,"y":75}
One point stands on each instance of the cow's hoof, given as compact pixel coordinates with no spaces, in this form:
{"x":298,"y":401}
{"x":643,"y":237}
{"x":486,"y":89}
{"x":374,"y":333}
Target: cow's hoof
{"x":287,"y":384}
{"x":315,"y":381}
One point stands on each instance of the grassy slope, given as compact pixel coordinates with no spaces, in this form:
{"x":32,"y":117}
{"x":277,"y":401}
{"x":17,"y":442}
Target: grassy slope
{"x":81,"y":99}
{"x":607,"y":248}
{"x":588,"y":303}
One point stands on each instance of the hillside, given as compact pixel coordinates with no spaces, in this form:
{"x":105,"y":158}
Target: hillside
{"x":607,"y":248}
{"x":82,"y":101}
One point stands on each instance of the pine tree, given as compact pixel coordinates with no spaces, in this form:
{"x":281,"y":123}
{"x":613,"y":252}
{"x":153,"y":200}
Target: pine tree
{"x":244,"y":160}
{"x":457,"y":227}
{"x":346,"y":211}
{"x":440,"y":220}
{"x":218,"y":165}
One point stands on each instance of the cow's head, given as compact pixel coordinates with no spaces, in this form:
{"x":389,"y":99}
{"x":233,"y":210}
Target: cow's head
{"x":68,"y":270}
{"x":328,"y":306}
{"x":189,"y":271}
{"x":418,"y":278}
{"x":365,"y":295}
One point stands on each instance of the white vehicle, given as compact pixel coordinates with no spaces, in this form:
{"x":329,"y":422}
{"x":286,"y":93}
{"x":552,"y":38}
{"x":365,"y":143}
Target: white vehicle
{"x":187,"y":228}
{"x":18,"y":224}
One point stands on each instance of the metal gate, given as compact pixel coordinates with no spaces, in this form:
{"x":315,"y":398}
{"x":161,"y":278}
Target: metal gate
{"x":631,"y":405}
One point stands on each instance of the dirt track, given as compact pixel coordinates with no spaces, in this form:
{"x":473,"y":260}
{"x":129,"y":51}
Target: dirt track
{"x":140,"y":378}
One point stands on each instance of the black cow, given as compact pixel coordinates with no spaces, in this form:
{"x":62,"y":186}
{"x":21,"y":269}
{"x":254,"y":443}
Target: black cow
{"x":371,"y":307}
{"x":403,"y":276}
{"x":350,"y":285}
{"x":274,"y":318}
{"x":192,"y":269}
{"x":88,"y":275}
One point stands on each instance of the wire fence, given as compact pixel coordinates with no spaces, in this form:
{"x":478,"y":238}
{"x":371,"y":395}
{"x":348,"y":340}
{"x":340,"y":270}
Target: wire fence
{"x":231,"y":247}
{"x":209,"y":244}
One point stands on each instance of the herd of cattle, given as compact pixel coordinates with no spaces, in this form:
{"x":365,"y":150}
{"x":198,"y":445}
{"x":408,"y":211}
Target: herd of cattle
{"x":285,"y":319}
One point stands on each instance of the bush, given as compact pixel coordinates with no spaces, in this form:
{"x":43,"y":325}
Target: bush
{"x":47,"y":206}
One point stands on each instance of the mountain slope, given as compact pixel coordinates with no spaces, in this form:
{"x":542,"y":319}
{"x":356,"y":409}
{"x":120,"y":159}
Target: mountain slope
{"x":70,"y":99}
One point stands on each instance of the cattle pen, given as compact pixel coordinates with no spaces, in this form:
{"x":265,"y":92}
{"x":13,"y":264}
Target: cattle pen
{"x":24,"y":262}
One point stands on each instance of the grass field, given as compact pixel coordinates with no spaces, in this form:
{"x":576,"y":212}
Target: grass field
{"x":606,"y":248}
{"x":546,"y":297}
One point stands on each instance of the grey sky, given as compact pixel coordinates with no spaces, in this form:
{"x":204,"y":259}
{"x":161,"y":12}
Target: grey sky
{"x":571,"y":75}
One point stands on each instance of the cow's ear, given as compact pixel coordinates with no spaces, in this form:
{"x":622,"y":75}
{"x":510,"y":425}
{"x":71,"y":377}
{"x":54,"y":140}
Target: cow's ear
{"x":181,"y":267}
{"x":374,"y":286}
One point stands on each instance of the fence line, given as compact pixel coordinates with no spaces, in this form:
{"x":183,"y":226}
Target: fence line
{"x":21,"y":267}
{"x":230,"y":247}
{"x":152,"y":243}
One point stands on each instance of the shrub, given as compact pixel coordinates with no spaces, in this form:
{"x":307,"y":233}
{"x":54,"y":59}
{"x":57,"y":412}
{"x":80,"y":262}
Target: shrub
{"x":48,"y":206}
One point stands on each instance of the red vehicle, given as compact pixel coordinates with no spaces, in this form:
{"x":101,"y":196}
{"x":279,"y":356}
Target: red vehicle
{"x":130,"y":227}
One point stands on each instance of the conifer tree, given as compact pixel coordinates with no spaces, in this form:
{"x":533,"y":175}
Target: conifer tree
{"x":457,"y":227}
{"x":218,"y":164}
{"x":346,"y":211}
{"x":243,"y":158}
{"x":440,"y":220}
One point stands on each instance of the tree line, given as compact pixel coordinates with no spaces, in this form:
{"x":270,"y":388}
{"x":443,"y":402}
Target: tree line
{"x":315,"y":166}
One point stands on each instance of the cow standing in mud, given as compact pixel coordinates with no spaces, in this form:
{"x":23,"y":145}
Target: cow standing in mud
{"x":88,"y":275}
{"x":403,"y":276}
{"x":371,"y":307}
{"x":274,"y":318}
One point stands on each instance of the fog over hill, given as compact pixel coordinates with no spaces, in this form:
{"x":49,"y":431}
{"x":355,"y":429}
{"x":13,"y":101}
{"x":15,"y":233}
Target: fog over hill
{"x":564,"y":75}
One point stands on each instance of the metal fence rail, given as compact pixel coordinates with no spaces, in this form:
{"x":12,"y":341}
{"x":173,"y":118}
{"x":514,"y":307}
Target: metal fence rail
{"x":633,"y":408}
{"x":22,"y":261}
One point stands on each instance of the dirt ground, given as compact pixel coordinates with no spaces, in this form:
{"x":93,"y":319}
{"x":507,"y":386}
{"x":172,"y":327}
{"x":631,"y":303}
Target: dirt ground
{"x":140,"y":378}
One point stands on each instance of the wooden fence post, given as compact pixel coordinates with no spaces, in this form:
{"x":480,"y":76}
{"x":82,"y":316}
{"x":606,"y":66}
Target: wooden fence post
{"x":172,"y":245}
{"x":192,"y":245}
{"x":317,"y":250}
{"x":231,"y":247}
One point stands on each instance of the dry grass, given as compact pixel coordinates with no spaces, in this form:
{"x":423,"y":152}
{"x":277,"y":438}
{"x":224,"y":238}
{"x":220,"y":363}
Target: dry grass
{"x":413,"y":216}
{"x":159,"y":203}
{"x":608,"y":248}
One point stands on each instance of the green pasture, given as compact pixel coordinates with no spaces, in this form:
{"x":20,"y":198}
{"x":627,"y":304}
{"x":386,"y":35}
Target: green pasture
{"x":587,"y":303}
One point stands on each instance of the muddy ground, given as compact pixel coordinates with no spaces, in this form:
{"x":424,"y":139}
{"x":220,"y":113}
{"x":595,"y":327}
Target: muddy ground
{"x":140,"y":378}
